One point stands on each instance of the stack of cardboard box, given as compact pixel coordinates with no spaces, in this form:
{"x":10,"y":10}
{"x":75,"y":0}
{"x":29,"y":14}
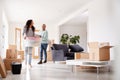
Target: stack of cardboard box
{"x":11,"y":56}
{"x":99,"y":51}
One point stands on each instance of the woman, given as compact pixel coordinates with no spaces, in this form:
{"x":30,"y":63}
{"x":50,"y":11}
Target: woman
{"x":28,"y":31}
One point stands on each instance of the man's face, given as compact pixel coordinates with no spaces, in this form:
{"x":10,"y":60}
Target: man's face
{"x":43,"y":27}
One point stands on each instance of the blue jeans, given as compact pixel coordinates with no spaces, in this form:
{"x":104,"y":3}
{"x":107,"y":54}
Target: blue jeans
{"x":43,"y":49}
{"x":28,"y":51}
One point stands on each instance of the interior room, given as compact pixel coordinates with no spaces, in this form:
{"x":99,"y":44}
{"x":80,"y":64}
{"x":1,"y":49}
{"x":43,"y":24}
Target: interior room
{"x":59,"y":40}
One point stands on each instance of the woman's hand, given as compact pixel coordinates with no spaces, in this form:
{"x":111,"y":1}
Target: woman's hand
{"x":40,"y":36}
{"x":25,"y":37}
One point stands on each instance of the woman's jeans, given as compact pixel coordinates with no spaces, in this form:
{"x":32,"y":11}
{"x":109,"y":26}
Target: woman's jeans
{"x":43,"y":48}
{"x":28,"y":52}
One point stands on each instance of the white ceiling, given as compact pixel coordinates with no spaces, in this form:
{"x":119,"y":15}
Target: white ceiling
{"x":41,"y":11}
{"x":78,"y":19}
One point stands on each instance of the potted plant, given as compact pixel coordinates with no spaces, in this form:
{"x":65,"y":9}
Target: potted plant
{"x":66,"y":39}
{"x":74,"y":39}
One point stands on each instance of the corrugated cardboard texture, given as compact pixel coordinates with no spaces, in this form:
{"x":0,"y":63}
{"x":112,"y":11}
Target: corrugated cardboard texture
{"x":49,"y":56}
{"x":2,"y":69}
{"x":84,"y":55}
{"x":93,"y":44}
{"x":81,"y":55}
{"x":77,"y":56}
{"x":10,"y":54}
{"x":99,"y":51}
{"x":12,"y":47}
{"x":13,"y":51}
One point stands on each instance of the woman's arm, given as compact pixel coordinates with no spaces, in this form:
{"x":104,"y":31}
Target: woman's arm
{"x":24,"y":33}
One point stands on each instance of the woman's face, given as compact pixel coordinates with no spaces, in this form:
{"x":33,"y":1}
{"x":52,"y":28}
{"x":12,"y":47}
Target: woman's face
{"x":32,"y":23}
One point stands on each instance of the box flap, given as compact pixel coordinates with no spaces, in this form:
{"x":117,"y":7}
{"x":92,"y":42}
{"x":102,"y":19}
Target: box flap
{"x":93,"y":44}
{"x":106,"y":47}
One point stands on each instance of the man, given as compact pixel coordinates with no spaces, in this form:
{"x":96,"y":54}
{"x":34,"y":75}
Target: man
{"x":44,"y":44}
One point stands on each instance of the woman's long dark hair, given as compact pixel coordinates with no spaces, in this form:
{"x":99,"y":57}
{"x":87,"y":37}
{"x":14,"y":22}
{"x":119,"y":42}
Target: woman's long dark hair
{"x":28,"y":23}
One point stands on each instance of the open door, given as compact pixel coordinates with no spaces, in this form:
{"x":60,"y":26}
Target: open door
{"x":18,"y":38}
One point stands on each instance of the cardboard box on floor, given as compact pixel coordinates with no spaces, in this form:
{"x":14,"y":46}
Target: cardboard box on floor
{"x":49,"y":56}
{"x":21,"y":53}
{"x":11,"y":52}
{"x":81,"y":55}
{"x":10,"y":55}
{"x":13,"y":48}
{"x":2,"y":69}
{"x":8,"y":63}
{"x":99,"y":51}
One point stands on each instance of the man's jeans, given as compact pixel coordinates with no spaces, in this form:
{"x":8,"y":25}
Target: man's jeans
{"x":43,"y":48}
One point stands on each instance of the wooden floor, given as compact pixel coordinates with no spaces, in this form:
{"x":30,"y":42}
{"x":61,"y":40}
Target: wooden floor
{"x":57,"y":71}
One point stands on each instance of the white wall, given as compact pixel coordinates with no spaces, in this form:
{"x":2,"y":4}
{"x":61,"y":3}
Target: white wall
{"x":100,"y":27}
{"x":0,"y":26}
{"x":116,"y":21}
{"x":3,"y":31}
{"x":99,"y":24}
{"x":5,"y":27}
{"x":74,"y":29}
{"x":6,"y":24}
{"x":117,"y":65}
{"x":11,"y":37}
{"x":12,"y":27}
